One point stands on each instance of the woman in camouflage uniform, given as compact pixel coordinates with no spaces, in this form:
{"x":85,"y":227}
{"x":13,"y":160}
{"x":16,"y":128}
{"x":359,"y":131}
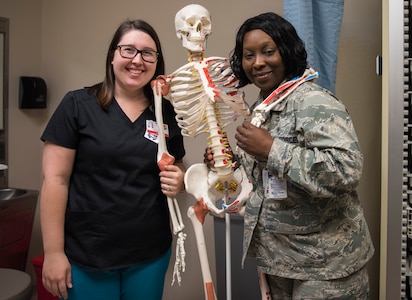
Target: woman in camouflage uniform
{"x":304,"y":222}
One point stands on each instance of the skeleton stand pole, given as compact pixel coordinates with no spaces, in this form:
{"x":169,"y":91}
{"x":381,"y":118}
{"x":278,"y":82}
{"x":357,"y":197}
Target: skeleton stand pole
{"x":228,"y":251}
{"x":228,"y":260}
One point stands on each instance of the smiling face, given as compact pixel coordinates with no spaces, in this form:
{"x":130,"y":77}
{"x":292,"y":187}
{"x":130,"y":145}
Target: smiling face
{"x":132,"y":74}
{"x":262,"y":62}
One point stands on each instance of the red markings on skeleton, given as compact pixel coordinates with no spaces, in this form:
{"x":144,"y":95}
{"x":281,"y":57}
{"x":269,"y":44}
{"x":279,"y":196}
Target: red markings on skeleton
{"x":210,"y":291}
{"x":209,"y":79}
{"x":161,"y":81}
{"x":201,"y":210}
{"x":165,"y":160}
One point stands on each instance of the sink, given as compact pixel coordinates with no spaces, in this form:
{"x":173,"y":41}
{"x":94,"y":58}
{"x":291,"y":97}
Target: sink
{"x":11,"y":193}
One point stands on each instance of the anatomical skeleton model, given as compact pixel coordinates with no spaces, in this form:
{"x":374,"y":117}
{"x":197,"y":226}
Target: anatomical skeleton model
{"x":205,"y":98}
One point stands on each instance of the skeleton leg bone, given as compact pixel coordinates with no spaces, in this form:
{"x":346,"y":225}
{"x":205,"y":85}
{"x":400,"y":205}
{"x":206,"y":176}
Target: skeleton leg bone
{"x":197,"y":185}
{"x":197,"y":214}
{"x":264,"y":287}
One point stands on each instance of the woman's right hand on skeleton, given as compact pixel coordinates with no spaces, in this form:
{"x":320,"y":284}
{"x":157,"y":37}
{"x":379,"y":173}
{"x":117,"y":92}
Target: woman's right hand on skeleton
{"x":208,"y":158}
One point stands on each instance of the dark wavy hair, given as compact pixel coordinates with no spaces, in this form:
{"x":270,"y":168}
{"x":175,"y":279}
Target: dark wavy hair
{"x":104,"y":91}
{"x":291,"y":47}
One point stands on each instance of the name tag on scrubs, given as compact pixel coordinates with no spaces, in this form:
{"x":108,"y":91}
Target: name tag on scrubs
{"x":152,"y":131}
{"x":274,"y":188}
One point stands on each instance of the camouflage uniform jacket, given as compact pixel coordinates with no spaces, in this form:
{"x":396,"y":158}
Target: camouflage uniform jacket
{"x":319,"y":231}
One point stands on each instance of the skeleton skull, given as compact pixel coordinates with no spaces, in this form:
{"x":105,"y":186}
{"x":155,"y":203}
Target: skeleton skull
{"x":193,"y":25}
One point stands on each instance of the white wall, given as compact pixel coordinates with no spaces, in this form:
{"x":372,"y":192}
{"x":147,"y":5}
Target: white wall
{"x":65,"y":42}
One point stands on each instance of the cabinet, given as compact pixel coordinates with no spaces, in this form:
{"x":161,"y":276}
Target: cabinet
{"x":16,"y":223}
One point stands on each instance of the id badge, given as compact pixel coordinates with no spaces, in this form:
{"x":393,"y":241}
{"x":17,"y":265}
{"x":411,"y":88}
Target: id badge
{"x":152,"y":131}
{"x":274,"y":188}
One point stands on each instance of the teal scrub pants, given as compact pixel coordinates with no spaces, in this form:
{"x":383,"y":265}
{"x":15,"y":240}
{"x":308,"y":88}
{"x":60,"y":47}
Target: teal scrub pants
{"x":138,"y":282}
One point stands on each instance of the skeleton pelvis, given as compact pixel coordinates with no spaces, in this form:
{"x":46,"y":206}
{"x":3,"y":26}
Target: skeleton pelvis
{"x":206,"y":185}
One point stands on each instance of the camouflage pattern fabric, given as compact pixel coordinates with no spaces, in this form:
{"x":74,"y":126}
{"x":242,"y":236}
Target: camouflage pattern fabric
{"x":355,"y":286}
{"x":319,"y":231}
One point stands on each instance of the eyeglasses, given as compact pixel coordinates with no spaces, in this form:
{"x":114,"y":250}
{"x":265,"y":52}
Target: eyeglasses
{"x":127,"y":51}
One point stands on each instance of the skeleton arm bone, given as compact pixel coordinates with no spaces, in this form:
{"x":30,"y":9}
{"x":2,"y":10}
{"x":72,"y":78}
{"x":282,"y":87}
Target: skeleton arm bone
{"x":164,"y":158}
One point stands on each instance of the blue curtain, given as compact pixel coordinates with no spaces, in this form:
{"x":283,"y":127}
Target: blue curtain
{"x":318,"y":24}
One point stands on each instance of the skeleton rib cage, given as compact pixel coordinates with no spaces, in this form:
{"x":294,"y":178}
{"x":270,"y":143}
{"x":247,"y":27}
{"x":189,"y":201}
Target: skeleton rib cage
{"x":188,"y":95}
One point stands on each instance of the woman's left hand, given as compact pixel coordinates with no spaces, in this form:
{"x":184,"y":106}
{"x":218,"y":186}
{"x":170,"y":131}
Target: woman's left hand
{"x":254,"y":140}
{"x":171,"y":180}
